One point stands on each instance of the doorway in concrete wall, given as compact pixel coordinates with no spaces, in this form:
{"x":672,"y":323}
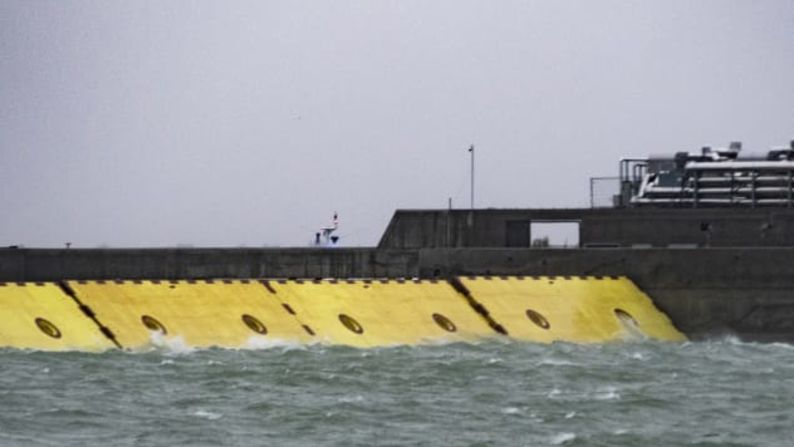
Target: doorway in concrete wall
{"x":554,"y":233}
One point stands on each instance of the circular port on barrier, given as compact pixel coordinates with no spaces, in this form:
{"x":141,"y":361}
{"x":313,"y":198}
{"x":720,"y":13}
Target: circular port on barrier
{"x":445,"y":323}
{"x":254,"y":324}
{"x":48,"y":328}
{"x":351,"y":324}
{"x":626,"y":318}
{"x":538,"y":319}
{"x":152,"y":324}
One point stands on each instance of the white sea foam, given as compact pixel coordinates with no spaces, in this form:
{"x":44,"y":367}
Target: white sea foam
{"x":263,"y":343}
{"x":553,"y":393}
{"x":510,"y":410}
{"x":436,"y":341}
{"x":351,"y":399}
{"x":633,"y":334}
{"x":608,"y":393}
{"x":170,"y":345}
{"x":735,"y":341}
{"x":562,"y":438}
{"x":177,"y":345}
{"x":638,"y":356}
{"x":555,"y":362}
{"x":207,"y":415}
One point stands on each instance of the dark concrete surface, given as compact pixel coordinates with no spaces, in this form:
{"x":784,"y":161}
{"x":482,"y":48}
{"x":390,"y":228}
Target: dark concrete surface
{"x":190,"y":263}
{"x":617,"y":227}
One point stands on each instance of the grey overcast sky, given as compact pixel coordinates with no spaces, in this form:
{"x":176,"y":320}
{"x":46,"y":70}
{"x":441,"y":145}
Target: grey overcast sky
{"x":233,"y":123}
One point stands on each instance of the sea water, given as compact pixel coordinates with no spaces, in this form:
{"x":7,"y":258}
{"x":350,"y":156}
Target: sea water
{"x":720,"y":392}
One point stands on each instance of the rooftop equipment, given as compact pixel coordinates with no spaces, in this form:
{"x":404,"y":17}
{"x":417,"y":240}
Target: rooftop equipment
{"x":714,"y":177}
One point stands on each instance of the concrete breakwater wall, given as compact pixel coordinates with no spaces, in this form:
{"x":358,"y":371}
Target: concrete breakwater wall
{"x":138,"y":314}
{"x":748,"y":292}
{"x":196,"y":263}
{"x":598,"y":227}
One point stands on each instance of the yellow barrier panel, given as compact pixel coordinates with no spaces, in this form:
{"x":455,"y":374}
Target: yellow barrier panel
{"x":575,"y":309}
{"x":42,"y":316}
{"x":379,"y":313}
{"x":358,"y":313}
{"x":233,"y":314}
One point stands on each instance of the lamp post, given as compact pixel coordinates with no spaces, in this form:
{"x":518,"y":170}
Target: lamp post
{"x":471,"y":151}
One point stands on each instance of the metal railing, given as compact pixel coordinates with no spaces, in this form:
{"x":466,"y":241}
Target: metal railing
{"x":605,"y":192}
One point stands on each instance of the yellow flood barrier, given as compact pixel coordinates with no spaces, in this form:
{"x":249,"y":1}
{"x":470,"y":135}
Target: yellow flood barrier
{"x":42,"y":316}
{"x":575,"y":309}
{"x":234,"y":314}
{"x":367,"y":313}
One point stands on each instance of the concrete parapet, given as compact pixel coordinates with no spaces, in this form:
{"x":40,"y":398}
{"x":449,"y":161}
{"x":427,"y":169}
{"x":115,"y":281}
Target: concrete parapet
{"x":195,"y":263}
{"x":620,"y":227}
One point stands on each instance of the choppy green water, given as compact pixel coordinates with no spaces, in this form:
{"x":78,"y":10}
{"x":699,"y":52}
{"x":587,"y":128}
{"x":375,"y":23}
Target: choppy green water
{"x":705,"y":393}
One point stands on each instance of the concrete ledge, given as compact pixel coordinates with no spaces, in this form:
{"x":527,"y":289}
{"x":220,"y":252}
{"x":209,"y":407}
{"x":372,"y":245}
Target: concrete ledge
{"x":191,"y":263}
